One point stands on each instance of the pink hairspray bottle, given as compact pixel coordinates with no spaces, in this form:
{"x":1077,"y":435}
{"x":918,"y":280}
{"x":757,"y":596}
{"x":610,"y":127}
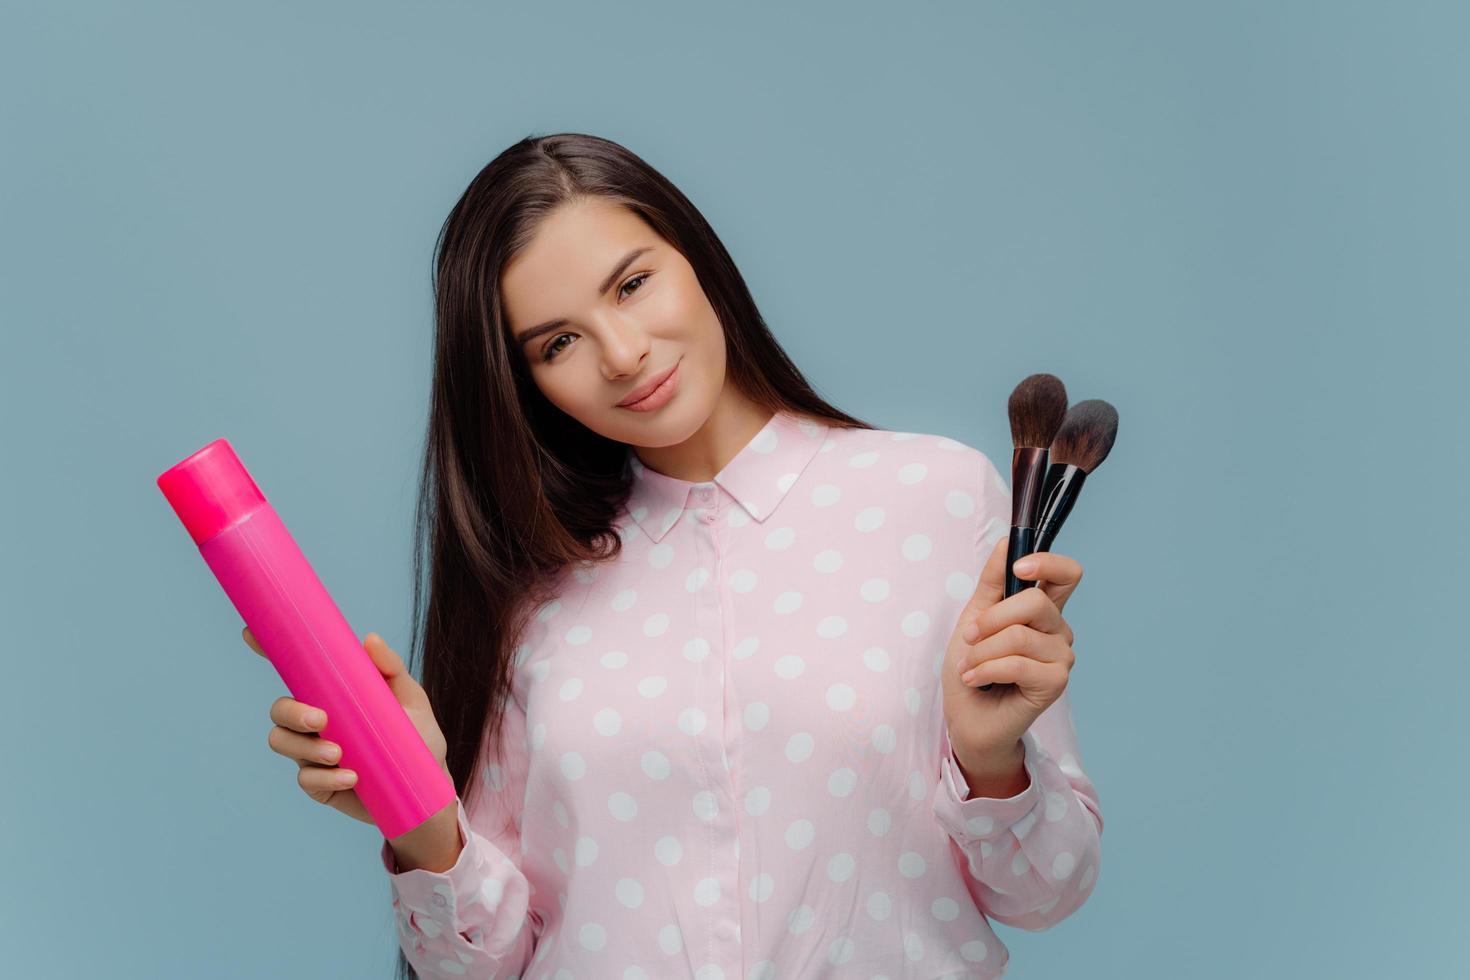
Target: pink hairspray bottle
{"x":306,"y":637}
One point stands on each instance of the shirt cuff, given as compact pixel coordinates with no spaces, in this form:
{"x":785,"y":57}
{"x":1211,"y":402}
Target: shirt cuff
{"x":439,"y":895}
{"x":971,"y":818}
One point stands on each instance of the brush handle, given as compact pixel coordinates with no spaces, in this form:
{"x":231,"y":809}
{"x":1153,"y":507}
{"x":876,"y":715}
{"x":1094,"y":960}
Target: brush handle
{"x":306,"y":637}
{"x":1022,"y":543}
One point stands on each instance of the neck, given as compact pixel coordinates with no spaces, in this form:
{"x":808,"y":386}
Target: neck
{"x":730,"y":426}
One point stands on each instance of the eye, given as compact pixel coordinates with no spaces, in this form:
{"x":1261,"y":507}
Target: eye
{"x":638,"y":279}
{"x":551,"y":350}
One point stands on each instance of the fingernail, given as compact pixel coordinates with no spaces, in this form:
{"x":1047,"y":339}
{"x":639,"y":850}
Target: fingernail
{"x":346,"y":777}
{"x":970,"y":632}
{"x":315,"y":718}
{"x":1026,"y":566}
{"x":967,"y":676}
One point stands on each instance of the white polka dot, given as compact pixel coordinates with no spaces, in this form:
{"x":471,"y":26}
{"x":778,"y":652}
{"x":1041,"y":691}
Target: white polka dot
{"x":696,"y":579}
{"x":958,"y":585}
{"x":570,"y":689}
{"x":614,"y":659}
{"x":578,"y":635}
{"x":762,"y":887}
{"x":915,"y":624}
{"x":607,"y":722}
{"x":670,"y":939}
{"x":756,"y":715}
{"x":876,"y":659}
{"x":656,"y":765}
{"x":799,"y":834}
{"x":746,"y":647}
{"x":691,"y":721}
{"x":974,"y":951}
{"x":573,"y":766}
{"x":801,"y":918}
{"x":669,"y":851}
{"x":1063,"y":865}
{"x":911,"y":864}
{"x":743,"y":580}
{"x":917,"y":547}
{"x":885,"y":738}
{"x":840,"y":950}
{"x":911,"y":473}
{"x":629,"y":892}
{"x":656,"y":625}
{"x":622,"y":806}
{"x":652,"y":687}
{"x":706,"y":806}
{"x":790,"y":666}
{"x":827,"y":561}
{"x":869,"y":519}
{"x":840,"y":867}
{"x":831,"y":626}
{"x":944,"y":909}
{"x":696,"y":649}
{"x":880,"y":905}
{"x":841,"y":697}
{"x":661,"y":554}
{"x":959,"y":503}
{"x":787,"y":602}
{"x":707,"y":892}
{"x":758,"y":800}
{"x":799,"y":747}
{"x":585,"y":851}
{"x":842,"y":782}
{"x":825,"y":495}
{"x":781,"y":538}
{"x":874,"y":589}
{"x":624,"y":600}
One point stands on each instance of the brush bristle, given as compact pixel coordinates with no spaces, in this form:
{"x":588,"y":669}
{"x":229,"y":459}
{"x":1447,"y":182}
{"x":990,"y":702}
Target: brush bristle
{"x":1087,"y":434}
{"x":1037,"y":407}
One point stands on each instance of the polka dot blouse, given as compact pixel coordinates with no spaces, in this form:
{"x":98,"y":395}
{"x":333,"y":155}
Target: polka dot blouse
{"x":726,"y":756}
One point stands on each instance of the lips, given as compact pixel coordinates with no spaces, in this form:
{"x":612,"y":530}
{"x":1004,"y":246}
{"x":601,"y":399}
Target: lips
{"x":642,"y":392}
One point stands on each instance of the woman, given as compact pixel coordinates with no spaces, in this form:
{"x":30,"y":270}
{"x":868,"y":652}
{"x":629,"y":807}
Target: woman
{"x":685,"y":649}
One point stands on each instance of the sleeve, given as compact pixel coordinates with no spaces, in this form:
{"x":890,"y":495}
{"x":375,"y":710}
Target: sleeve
{"x":1031,"y":860}
{"x":474,"y":920}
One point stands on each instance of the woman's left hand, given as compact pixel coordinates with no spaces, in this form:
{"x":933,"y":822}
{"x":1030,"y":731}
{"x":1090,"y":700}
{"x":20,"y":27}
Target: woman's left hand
{"x":1021,"y":644}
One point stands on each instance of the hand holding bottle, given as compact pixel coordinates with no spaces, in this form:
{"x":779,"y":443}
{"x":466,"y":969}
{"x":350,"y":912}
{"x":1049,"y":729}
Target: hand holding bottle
{"x":296,"y":734}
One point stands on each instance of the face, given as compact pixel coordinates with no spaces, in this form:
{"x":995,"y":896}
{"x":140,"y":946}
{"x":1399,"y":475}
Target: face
{"x":598,"y":305}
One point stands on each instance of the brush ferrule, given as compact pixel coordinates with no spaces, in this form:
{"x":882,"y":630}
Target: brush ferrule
{"x":1065,"y":482}
{"x":1028,"y":468}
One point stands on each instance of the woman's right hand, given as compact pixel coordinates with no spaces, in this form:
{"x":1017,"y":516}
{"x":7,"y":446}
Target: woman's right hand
{"x":295,"y":733}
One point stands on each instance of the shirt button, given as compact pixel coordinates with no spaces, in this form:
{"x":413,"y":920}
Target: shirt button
{"x":438,"y":900}
{"x":708,"y":518}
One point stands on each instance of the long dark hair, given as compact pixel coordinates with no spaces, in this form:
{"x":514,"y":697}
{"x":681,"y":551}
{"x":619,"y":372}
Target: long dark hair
{"x":513,"y":491}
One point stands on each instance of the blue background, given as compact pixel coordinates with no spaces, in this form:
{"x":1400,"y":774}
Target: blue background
{"x":1244,"y":224}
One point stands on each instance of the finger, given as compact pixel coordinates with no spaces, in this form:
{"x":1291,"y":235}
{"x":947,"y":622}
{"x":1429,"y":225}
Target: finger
{"x":321,"y":783}
{"x":252,"y":642}
{"x":290,"y":713}
{"x":387,"y":660}
{"x":991,"y":586}
{"x":1052,"y":567}
{"x":1022,"y":671}
{"x":303,"y":748}
{"x":1014,"y":640}
{"x":395,"y":672}
{"x":1029,"y":607}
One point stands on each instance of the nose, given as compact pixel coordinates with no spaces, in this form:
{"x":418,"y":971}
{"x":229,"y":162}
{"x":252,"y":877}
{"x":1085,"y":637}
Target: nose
{"x":624,"y":347}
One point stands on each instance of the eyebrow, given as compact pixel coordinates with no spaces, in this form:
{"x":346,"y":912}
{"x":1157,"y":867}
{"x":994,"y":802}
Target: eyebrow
{"x":606,"y":284}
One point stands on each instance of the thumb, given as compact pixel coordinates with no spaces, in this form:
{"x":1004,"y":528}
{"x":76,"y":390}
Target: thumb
{"x":992,"y":585}
{"x":391,"y":666}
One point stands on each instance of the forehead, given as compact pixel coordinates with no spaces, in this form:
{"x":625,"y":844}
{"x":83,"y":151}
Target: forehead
{"x":570,"y":252}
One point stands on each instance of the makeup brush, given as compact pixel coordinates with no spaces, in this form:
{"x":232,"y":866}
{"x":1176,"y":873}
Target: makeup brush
{"x":1037,"y":407}
{"x":1083,"y":442}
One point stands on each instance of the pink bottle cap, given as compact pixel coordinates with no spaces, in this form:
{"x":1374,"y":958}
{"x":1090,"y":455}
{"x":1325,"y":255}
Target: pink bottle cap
{"x":210,"y":490}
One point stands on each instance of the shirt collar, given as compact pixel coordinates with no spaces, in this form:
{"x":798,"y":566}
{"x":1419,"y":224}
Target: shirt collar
{"x":758,"y":476}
